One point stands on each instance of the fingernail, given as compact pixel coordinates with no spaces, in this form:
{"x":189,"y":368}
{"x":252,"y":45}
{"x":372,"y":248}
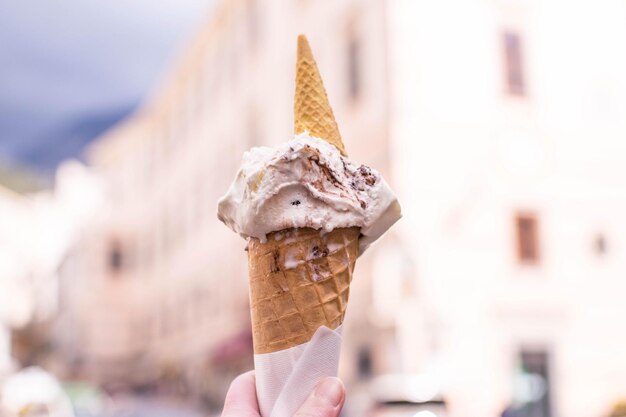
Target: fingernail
{"x":331,"y":390}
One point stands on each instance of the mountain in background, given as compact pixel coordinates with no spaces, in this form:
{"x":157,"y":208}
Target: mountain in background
{"x":70,"y":69}
{"x":28,"y":164}
{"x":45,"y":149}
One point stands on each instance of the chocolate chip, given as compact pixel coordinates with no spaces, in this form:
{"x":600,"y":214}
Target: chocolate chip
{"x":318,"y":253}
{"x":295,"y":203}
{"x":363,"y":204}
{"x":366,"y":173}
{"x":315,"y":154}
{"x":275,"y":266}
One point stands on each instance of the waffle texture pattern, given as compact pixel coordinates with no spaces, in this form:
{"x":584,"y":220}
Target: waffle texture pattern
{"x":299,"y":281}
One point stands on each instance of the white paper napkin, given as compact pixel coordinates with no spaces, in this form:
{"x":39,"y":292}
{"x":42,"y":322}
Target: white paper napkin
{"x":284,"y":379}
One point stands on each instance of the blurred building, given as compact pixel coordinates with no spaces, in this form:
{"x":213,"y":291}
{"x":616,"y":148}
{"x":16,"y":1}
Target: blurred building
{"x":156,"y":288}
{"x":499,"y":124}
{"x":36,"y":228}
{"x":14,"y":270}
{"x":508,"y":147}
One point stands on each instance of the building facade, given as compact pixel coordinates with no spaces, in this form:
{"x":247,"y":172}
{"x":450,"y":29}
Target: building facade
{"x":508,"y":156}
{"x":499,"y":124}
{"x":36,"y":228}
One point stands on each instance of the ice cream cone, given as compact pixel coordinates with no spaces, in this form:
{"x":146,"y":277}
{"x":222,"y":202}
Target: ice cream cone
{"x":300,"y":278}
{"x":299,"y":281}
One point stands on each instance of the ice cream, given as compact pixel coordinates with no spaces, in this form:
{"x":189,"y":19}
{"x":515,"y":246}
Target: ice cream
{"x":307,"y":211}
{"x":307,"y":183}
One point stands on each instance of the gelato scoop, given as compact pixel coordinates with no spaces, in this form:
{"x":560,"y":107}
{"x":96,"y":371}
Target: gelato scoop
{"x":307,"y":183}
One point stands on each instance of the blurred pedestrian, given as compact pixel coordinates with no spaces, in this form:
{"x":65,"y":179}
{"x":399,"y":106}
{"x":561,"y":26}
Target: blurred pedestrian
{"x":326,"y":400}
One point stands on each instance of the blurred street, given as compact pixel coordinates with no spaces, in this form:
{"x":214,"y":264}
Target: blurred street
{"x":147,"y":407}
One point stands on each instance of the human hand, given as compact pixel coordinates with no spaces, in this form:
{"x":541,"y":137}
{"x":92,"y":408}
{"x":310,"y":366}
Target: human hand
{"x":326,"y":400}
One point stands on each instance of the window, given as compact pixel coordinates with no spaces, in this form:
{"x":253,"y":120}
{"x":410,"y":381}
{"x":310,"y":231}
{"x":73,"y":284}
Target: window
{"x":115,"y":257}
{"x":354,"y":68}
{"x":252,"y":17}
{"x":599,"y":245}
{"x":527,"y":238}
{"x":364,"y":362}
{"x":534,"y":376}
{"x":513,"y":63}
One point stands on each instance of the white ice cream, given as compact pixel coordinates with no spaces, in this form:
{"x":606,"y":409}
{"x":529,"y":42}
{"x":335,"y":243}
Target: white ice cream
{"x":306,"y":182}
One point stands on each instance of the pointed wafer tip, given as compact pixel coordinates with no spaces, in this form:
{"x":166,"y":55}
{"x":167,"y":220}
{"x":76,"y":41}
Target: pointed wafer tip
{"x":304,"y":49}
{"x":312,"y":111}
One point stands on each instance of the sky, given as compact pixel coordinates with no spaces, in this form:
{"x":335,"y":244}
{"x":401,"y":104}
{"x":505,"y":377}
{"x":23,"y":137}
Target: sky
{"x":69,"y":69}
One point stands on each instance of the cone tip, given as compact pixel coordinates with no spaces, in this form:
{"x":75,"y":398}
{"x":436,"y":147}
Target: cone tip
{"x":319,"y":122}
{"x":304,"y":49}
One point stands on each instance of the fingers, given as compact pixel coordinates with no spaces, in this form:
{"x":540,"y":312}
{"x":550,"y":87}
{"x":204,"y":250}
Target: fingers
{"x":241,"y":397}
{"x":326,"y":400}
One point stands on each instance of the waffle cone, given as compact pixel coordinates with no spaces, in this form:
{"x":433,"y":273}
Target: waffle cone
{"x":299,"y":281}
{"x":312,"y":111}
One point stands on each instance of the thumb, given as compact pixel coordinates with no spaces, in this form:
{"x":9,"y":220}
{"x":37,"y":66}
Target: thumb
{"x":241,"y":399}
{"x":326,"y":400}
